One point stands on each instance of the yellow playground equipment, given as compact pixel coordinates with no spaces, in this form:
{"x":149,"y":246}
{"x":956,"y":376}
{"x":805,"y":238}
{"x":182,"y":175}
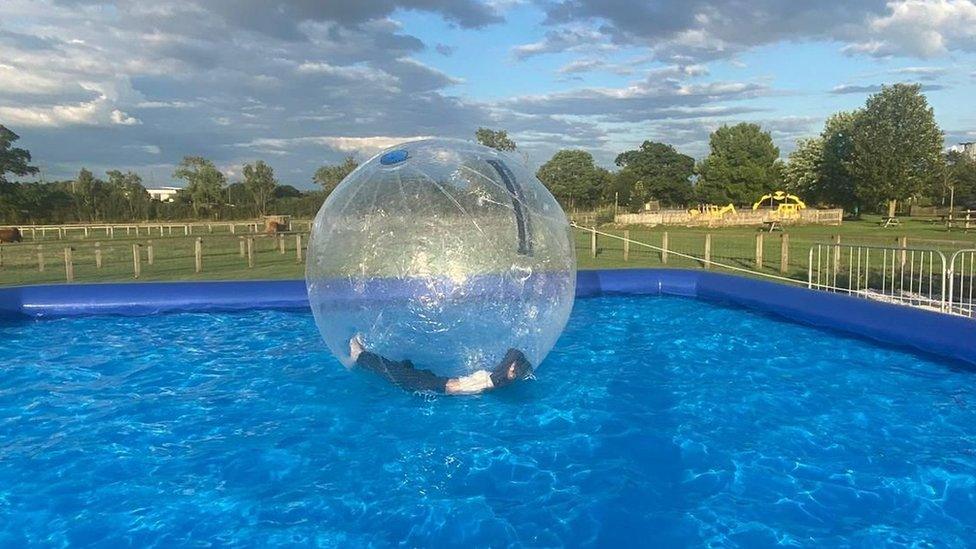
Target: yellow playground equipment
{"x":712,"y":212}
{"x":788,"y":206}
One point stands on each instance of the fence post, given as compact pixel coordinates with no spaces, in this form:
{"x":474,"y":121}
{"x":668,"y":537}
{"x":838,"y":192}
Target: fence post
{"x":708,"y":250}
{"x":784,"y":253}
{"x":86,"y":231}
{"x":150,"y":253}
{"x":593,"y":242}
{"x":626,"y":244}
{"x":903,"y":243}
{"x":241,"y":241}
{"x":281,"y":244}
{"x":69,"y":265}
{"x":835,"y":264}
{"x":664,"y":248}
{"x":98,"y":255}
{"x":250,"y":252}
{"x":136,"y":261}
{"x":198,"y":254}
{"x":759,"y":250}
{"x":233,"y":228}
{"x":298,"y":248}
{"x":40,"y":259}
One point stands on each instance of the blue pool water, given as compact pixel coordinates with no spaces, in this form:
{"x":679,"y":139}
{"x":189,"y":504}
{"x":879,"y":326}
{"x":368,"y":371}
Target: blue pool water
{"x":654,"y":421}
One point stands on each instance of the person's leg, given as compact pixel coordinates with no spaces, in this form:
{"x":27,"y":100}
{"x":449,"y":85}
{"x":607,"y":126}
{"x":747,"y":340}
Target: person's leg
{"x":402,"y":374}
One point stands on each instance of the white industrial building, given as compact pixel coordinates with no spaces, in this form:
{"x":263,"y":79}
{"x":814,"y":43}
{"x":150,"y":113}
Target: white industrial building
{"x":163,"y":194}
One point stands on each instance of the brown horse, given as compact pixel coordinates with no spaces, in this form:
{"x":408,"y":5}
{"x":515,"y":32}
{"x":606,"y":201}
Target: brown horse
{"x":11,"y":235}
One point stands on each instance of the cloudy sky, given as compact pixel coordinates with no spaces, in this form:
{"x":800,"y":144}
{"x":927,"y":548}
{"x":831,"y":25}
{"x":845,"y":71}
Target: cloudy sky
{"x":138,"y":85}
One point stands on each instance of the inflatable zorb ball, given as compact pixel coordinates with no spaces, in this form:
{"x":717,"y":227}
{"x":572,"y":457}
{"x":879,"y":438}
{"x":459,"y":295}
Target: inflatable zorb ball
{"x":444,"y":253}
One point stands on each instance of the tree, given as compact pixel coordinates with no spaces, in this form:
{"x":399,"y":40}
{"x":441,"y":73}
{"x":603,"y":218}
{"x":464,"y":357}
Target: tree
{"x":620,"y":190}
{"x":803,"y":173}
{"x":260,"y":183}
{"x":331,"y":175}
{"x":741,"y":167}
{"x":664,"y":173}
{"x":897,"y":146}
{"x":836,"y":181}
{"x":573,"y":178}
{"x":496,"y":139}
{"x":958,"y":184}
{"x":12,"y":159}
{"x":204,"y":183}
{"x":127,"y":190}
{"x":287,"y":191}
{"x":85,"y":190}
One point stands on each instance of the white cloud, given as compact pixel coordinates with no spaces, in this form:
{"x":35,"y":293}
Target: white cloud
{"x":119,"y":117}
{"x":921,"y":28}
{"x":362,"y":145}
{"x":91,"y":113}
{"x":565,"y":39}
{"x":166,"y":104}
{"x":18,"y":80}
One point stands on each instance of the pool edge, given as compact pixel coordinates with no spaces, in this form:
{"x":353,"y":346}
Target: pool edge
{"x":929,"y":332}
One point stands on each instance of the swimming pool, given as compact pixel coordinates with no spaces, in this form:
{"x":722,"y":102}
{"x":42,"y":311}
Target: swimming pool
{"x":658,"y":420}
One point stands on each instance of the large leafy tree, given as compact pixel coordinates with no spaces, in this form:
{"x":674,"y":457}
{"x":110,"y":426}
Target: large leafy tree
{"x":496,"y":139}
{"x":16,"y":161}
{"x":836,"y":182}
{"x":13,"y":160}
{"x":260,"y":182}
{"x":330,"y":176}
{"x":742,"y":165}
{"x":204,"y":183}
{"x":897,"y":146}
{"x":574,"y":179}
{"x":663,"y":172}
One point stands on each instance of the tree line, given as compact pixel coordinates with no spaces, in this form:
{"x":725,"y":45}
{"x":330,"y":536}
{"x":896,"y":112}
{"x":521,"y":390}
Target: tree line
{"x":865,"y":160}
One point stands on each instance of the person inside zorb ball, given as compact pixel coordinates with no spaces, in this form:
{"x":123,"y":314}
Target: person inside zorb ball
{"x":443,"y":266}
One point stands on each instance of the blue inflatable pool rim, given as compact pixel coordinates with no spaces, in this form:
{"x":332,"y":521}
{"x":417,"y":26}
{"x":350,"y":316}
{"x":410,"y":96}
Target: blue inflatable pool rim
{"x":940,"y":335}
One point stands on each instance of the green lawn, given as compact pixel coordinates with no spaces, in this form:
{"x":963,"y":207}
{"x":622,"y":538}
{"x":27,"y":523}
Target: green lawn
{"x":174,"y":255}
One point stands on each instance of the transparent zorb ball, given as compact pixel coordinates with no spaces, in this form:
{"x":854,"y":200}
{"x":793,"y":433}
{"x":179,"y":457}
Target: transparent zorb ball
{"x":445,"y":253}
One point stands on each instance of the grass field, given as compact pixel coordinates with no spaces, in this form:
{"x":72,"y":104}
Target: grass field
{"x":222,"y":259}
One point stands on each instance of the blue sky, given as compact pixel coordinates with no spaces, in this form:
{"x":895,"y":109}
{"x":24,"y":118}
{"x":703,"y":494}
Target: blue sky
{"x":136,"y":85}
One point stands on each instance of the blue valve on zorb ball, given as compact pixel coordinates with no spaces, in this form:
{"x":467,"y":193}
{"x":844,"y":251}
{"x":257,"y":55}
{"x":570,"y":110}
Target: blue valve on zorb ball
{"x":451,"y":262}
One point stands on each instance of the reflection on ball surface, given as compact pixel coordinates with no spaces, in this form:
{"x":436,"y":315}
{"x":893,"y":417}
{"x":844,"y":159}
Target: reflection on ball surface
{"x":444,"y":253}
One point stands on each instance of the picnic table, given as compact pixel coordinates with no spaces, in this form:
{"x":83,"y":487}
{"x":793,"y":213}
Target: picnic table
{"x":890,"y":221}
{"x":771,"y":225}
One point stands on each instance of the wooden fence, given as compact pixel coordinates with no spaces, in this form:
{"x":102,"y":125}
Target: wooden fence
{"x":741,"y":218}
{"x":166,"y":258}
{"x":135,"y":230}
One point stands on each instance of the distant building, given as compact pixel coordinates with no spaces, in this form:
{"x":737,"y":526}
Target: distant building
{"x":969,"y":149}
{"x":163,"y":194}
